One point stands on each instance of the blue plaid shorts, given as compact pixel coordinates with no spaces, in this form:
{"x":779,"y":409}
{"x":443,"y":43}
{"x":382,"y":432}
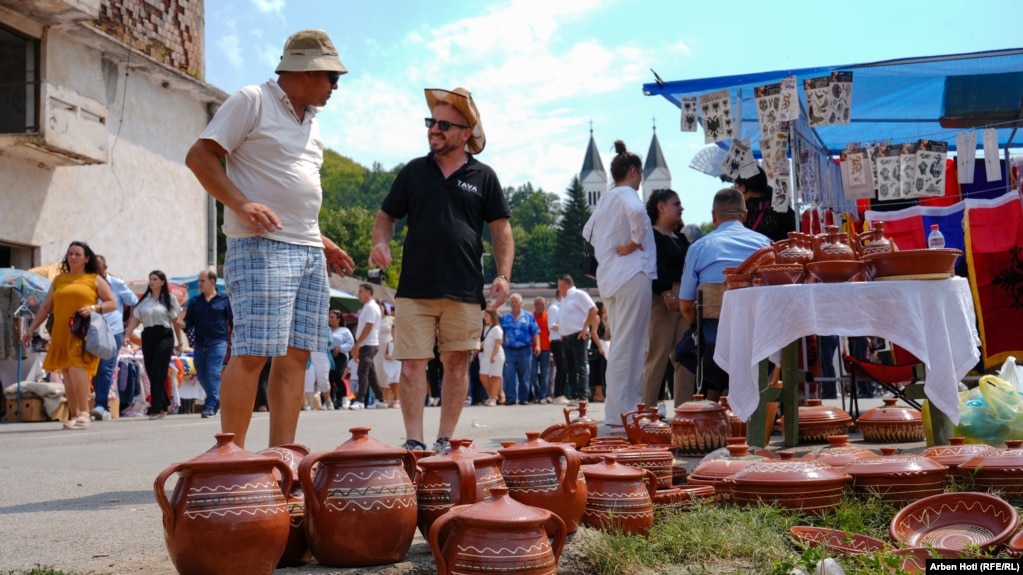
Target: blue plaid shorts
{"x":279,"y":296}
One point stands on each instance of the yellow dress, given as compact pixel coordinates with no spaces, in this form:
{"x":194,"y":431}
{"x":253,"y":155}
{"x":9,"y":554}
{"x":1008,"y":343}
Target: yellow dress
{"x":71,"y":292}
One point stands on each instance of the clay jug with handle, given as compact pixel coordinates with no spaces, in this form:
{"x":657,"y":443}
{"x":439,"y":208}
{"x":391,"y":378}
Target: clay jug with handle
{"x":462,"y":475}
{"x":296,"y":553}
{"x":875,"y":242}
{"x":546,"y":475}
{"x":833,"y":245}
{"x":227,"y":513}
{"x":581,"y":419}
{"x":620,"y":497}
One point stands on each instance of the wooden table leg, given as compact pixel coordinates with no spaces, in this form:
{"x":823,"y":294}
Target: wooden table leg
{"x":757,"y":428}
{"x":941,"y":426}
{"x":792,"y":378}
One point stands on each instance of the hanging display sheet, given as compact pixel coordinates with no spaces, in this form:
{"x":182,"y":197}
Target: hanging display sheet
{"x":718,"y":121}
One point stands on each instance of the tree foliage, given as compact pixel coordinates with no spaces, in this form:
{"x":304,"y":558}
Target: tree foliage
{"x":533,"y":207}
{"x":570,"y":241}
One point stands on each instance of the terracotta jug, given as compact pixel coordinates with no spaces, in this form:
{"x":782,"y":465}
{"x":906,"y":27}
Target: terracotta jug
{"x":546,"y":475}
{"x":460,"y":476}
{"x":874,"y":241}
{"x":360,"y":502}
{"x":227,"y":514}
{"x":620,"y":497}
{"x":581,"y":419}
{"x":794,"y":250}
{"x":632,"y":420}
{"x":833,"y":245}
{"x":499,"y":535}
{"x":699,"y":427}
{"x":296,"y":553}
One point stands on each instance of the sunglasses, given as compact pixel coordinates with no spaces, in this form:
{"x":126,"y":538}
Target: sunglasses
{"x":333,"y":77}
{"x":444,"y":125}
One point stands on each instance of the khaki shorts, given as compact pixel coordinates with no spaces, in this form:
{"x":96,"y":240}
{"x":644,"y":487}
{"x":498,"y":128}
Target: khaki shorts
{"x":418,"y":322}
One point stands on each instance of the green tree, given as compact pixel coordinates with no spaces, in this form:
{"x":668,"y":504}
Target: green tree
{"x":352,"y":230}
{"x":532,"y":207}
{"x":340,"y":178}
{"x":540,"y":248}
{"x":570,"y":242}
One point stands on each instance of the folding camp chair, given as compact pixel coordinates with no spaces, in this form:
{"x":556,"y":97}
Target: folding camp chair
{"x":905,"y":367}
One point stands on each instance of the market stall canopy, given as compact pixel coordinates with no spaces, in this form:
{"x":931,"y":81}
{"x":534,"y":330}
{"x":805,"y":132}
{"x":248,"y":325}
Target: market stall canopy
{"x":344,"y":301}
{"x":896,"y":101}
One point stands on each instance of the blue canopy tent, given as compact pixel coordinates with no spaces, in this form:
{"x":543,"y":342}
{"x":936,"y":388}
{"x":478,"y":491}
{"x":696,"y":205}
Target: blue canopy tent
{"x":898,"y":101}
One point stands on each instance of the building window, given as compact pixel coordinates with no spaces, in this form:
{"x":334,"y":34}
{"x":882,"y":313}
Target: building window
{"x":19,"y":83}
{"x":592,"y":197}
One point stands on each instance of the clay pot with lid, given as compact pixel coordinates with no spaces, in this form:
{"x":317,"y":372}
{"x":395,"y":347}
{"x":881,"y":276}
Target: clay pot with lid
{"x":360,"y":502}
{"x":296,"y":552}
{"x":651,"y":430}
{"x":462,"y":475}
{"x":715,"y":472}
{"x":817,"y":422}
{"x":699,"y":427}
{"x":955,"y":454}
{"x":891,"y":424}
{"x":874,"y":241}
{"x":227,"y":513}
{"x":546,"y":475}
{"x":619,"y":498}
{"x":898,"y":479}
{"x":999,"y":471}
{"x":834,"y":244}
{"x":839,"y":453}
{"x":805,"y":484}
{"x":498,"y":535}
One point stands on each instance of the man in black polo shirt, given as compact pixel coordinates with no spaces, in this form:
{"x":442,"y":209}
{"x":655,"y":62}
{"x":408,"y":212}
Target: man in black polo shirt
{"x":447,"y":195}
{"x":209,"y":315}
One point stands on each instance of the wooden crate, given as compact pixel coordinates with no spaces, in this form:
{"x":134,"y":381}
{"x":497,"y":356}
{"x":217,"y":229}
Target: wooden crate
{"x":31,"y":410}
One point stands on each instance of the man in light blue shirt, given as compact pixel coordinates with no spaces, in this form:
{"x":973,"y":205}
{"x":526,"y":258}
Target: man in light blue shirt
{"x":521,"y":344}
{"x":104,"y":377}
{"x":727,"y":246}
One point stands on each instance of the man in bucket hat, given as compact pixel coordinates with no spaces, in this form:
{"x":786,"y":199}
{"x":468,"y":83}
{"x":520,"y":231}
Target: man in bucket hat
{"x":277,"y":260}
{"x":447,"y":195}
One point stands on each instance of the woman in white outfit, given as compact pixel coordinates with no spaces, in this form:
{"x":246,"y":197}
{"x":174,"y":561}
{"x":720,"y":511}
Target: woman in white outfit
{"x":392,"y":371}
{"x":492,"y":357}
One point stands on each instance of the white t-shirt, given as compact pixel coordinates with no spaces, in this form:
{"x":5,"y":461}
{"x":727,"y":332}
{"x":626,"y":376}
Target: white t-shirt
{"x":552,"y":320}
{"x":575,"y":308}
{"x":273,"y":159}
{"x":370,"y":313}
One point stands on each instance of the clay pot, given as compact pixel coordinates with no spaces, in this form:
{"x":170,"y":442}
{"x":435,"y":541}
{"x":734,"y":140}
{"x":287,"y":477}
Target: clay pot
{"x":839,"y":453}
{"x":546,"y":475}
{"x":875,"y":242}
{"x":499,"y":535}
{"x":296,"y":552}
{"x":699,"y":427}
{"x":360,"y":502}
{"x":891,"y":424}
{"x":955,"y":454}
{"x":581,"y":419}
{"x":681,"y":498}
{"x":805,"y":484}
{"x":795,"y":250}
{"x":897,"y":479}
{"x":460,"y":476}
{"x":227,"y":514}
{"x":833,"y":245}
{"x":577,"y":433}
{"x":999,"y":471}
{"x":619,"y":498}
{"x":632,"y":420}
{"x":817,"y":422}
{"x":654,"y":431}
{"x":715,"y":472}
{"x":657,"y":458}
{"x":736,"y":426}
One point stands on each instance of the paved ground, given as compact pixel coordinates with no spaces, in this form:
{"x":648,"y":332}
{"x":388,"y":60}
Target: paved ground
{"x":83,"y":500}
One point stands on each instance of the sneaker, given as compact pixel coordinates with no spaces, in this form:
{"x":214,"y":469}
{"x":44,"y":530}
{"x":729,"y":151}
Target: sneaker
{"x":346,"y":403}
{"x":545,"y":400}
{"x":356,"y":405}
{"x":413,"y":445}
{"x":561,"y":400}
{"x":100,"y":413}
{"x":379,"y":405}
{"x":207,"y":414}
{"x":433,"y":401}
{"x":442,"y":445}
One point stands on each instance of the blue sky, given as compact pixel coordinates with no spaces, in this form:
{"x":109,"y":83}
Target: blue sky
{"x":541,"y":71}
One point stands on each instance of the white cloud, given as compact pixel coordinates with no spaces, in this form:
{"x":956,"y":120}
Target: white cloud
{"x":275,"y":7}
{"x":230,"y":48}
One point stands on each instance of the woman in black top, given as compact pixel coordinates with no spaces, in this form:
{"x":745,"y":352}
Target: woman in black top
{"x":760,"y":216}
{"x":666,"y":323}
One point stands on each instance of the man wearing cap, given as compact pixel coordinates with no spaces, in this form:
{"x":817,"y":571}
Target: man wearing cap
{"x":277,"y":260}
{"x":447,"y":195}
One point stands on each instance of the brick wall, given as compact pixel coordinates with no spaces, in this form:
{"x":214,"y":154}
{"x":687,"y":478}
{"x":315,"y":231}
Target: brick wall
{"x":171,"y":31}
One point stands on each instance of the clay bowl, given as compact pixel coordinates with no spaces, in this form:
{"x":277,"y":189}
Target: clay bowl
{"x":950,"y":521}
{"x":834,"y":271}
{"x":780,"y":274}
{"x":914,"y":559}
{"x":891,"y":424}
{"x":835,"y":540}
{"x":914,"y":263}
{"x":1014,"y":548}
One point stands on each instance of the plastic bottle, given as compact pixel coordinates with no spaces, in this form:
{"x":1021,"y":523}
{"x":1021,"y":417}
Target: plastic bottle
{"x":935,"y":240}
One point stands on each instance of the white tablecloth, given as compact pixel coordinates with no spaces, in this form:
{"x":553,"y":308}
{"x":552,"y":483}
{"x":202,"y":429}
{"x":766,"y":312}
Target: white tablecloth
{"x":933,"y":320}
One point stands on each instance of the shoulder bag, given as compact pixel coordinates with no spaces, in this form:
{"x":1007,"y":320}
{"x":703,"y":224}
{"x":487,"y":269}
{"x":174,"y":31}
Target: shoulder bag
{"x":589,"y":262}
{"x":99,"y":339}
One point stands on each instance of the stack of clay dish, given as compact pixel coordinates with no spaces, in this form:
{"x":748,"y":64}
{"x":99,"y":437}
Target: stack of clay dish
{"x":999,"y":471}
{"x":736,"y":426}
{"x":699,"y":427}
{"x":836,"y":541}
{"x":897,"y":479}
{"x":780,"y":274}
{"x":912,"y":264}
{"x":804,"y":484}
{"x":817,"y":422}
{"x":839,"y":453}
{"x":619,"y":498}
{"x":681,"y":498}
{"x":951,"y":521}
{"x":715,"y":472}
{"x":546,"y":475}
{"x":462,"y":475}
{"x":735,"y":280}
{"x":955,"y":454}
{"x":834,"y":271}
{"x":296,"y":553}
{"x":891,"y":424}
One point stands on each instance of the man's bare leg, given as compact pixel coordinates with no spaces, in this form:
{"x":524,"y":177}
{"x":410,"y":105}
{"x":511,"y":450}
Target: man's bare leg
{"x":285,"y":394}
{"x":413,"y":395}
{"x":453,"y":390}
{"x":238,"y":394}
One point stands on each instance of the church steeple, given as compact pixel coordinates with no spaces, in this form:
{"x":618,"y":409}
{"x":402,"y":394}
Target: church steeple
{"x":656,"y":173}
{"x":592,"y":176}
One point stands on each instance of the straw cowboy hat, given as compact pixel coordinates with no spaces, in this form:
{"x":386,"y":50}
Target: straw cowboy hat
{"x":461,"y":100}
{"x":310,"y":51}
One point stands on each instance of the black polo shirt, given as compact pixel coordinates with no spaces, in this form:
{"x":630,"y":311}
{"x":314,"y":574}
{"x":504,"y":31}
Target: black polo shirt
{"x":444,"y":242}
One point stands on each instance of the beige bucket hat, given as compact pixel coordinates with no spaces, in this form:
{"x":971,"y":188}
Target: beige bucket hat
{"x":461,"y":100}
{"x":310,"y":51}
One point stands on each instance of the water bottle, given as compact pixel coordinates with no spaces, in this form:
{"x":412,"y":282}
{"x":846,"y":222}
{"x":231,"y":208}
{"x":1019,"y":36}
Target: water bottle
{"x":935,"y":240}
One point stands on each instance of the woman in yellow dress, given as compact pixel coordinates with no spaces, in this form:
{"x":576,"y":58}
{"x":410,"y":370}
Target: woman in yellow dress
{"x":76,"y":289}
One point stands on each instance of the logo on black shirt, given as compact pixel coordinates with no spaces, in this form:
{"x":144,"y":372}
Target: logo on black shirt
{"x":466,"y":186}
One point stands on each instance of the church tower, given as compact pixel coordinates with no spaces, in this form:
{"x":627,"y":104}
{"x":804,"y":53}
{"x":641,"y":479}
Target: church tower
{"x":656,"y":174}
{"x":592,"y":176}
